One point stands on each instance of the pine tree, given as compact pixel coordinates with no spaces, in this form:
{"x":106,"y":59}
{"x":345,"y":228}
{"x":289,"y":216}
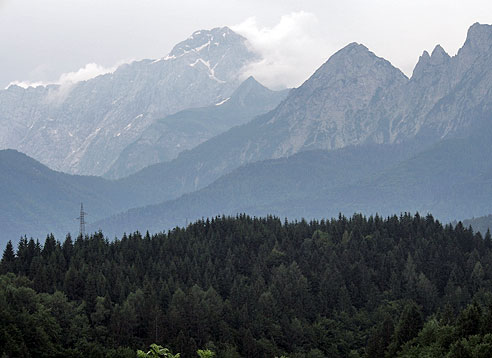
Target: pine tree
{"x":8,"y":259}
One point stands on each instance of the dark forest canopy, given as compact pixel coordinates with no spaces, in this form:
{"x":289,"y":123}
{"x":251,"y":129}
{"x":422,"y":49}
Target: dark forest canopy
{"x":254,"y":287}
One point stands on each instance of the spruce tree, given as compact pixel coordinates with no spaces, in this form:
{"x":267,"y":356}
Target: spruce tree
{"x":8,"y":259}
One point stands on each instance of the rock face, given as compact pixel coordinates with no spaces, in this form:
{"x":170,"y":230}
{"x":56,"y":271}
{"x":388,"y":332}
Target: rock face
{"x":354,"y":98}
{"x":447,"y":96}
{"x":357,"y":97}
{"x":82,"y":128}
{"x":444,"y":111}
{"x":340,"y":105}
{"x":167,"y":137}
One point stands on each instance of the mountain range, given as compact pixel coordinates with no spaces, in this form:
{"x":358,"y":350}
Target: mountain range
{"x":358,"y":135}
{"x":167,"y":137}
{"x":37,"y":200}
{"x":450,"y":179}
{"x":67,"y":127}
{"x":310,"y":109}
{"x":355,"y":98}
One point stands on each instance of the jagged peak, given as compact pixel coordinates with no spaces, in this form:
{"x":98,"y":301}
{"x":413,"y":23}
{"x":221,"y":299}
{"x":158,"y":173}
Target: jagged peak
{"x":424,"y":57}
{"x":353,"y":47}
{"x":353,"y":52}
{"x":439,"y":51}
{"x":248,"y":85}
{"x":478,"y":38}
{"x":223,"y":30}
{"x":250,"y":81}
{"x":355,"y":55}
{"x":421,"y":65}
{"x":478,"y":31}
{"x":213,"y":32}
{"x":439,"y":56}
{"x":203,"y":39}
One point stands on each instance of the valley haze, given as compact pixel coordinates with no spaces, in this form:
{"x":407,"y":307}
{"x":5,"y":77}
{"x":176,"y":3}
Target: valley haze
{"x":245,"y":179}
{"x":170,"y":130}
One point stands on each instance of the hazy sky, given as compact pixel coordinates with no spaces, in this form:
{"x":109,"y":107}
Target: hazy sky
{"x":51,"y":40}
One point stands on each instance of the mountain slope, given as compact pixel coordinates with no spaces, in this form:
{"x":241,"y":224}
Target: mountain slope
{"x":447,"y":98}
{"x":256,"y":188}
{"x":68,"y":127}
{"x":265,"y":136}
{"x":37,"y":200}
{"x":167,"y":137}
{"x":481,"y":224}
{"x":357,"y":97}
{"x":451,"y":179}
{"x":354,"y":98}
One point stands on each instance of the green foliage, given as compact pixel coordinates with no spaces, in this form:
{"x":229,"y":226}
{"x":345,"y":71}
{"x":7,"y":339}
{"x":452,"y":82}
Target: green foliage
{"x":205,"y":353}
{"x":253,"y":287}
{"x":469,"y":336}
{"x":157,"y":351}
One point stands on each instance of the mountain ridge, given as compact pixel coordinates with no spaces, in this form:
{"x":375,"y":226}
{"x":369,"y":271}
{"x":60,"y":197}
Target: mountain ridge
{"x":74,"y":124}
{"x":167,"y":137}
{"x":425,"y":109}
{"x":443,"y":179}
{"x":354,"y":99}
{"x":446,"y":98}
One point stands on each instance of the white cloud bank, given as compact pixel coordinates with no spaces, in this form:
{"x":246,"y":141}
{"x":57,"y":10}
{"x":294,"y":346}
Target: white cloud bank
{"x":90,"y":70}
{"x":87,"y":72}
{"x":291,"y":50}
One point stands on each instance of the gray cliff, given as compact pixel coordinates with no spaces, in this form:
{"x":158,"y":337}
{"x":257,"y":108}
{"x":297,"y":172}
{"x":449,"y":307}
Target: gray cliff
{"x":83,"y":127}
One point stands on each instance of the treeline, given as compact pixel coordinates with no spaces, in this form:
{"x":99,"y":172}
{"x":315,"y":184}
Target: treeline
{"x":254,"y":287}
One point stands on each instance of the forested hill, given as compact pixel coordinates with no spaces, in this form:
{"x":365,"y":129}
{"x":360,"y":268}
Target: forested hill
{"x":450,"y":179}
{"x":253,"y":287}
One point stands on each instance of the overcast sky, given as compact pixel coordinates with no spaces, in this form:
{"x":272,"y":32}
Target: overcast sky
{"x":52,"y":40}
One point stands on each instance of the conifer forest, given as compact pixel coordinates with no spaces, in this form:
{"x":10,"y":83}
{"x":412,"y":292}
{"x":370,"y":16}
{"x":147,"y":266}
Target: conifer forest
{"x":400,"y":286}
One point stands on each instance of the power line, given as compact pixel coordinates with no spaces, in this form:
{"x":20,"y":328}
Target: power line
{"x":82,"y":220}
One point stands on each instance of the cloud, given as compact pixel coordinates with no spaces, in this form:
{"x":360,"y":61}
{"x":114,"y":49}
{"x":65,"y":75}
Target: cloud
{"x":291,"y":50}
{"x":26,"y":84}
{"x":89,"y":71}
{"x":66,"y":81}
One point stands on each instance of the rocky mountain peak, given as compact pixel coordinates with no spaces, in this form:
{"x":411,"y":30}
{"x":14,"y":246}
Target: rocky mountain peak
{"x":252,"y":93}
{"x":107,"y":113}
{"x":427,"y":63}
{"x":478,"y":42}
{"x":439,"y":56}
{"x":206,"y":42}
{"x":479,"y":37}
{"x":329,"y":110}
{"x":348,"y":55}
{"x":248,"y":85}
{"x":422,"y":63}
{"x":355,"y":60}
{"x":220,"y":52}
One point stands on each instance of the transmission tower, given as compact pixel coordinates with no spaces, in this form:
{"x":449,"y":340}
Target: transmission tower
{"x":82,"y":220}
